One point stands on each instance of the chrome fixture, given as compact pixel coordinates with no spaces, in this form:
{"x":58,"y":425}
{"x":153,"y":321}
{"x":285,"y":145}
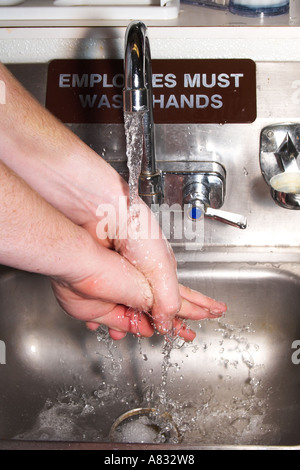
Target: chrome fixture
{"x":137,"y":98}
{"x":279,"y":162}
{"x":203,"y":188}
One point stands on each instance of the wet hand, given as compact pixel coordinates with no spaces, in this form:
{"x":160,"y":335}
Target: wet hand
{"x":117,"y":276}
{"x":119,"y":296}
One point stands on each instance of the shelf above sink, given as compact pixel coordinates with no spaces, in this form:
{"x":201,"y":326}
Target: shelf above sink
{"x":35,"y":10}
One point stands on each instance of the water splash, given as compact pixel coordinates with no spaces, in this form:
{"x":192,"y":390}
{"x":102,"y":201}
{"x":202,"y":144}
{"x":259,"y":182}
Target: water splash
{"x":231,"y":405}
{"x":134,"y":152}
{"x":115,"y":363}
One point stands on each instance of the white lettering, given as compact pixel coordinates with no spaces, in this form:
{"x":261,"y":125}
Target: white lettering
{"x":172,"y":101}
{"x":67,"y":80}
{"x":101,"y":101}
{"x":160,"y":81}
{"x":80,"y":82}
{"x":104,"y":102}
{"x":212,"y":81}
{"x":223,"y":80}
{"x":88,"y":101}
{"x":170,"y":80}
{"x":95,"y":78}
{"x":107,"y":225}
{"x":160,"y":101}
{"x":64,"y":80}
{"x":204,"y":104}
{"x":167,"y":222}
{"x":237,"y":77}
{"x":216,"y":101}
{"x":117,"y":101}
{"x":189,"y":82}
{"x":157,"y":80}
{"x":296,"y":354}
{"x":2,"y":353}
{"x":2,"y":92}
{"x":188,"y":101}
{"x":105,"y":82}
{"x":184,"y":100}
{"x":116,"y":460}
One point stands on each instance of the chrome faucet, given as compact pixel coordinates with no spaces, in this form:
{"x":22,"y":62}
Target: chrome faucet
{"x":137,"y":98}
{"x":198,"y":184}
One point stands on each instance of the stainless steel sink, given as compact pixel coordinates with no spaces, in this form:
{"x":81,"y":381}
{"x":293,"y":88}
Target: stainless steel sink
{"x":235,"y":385}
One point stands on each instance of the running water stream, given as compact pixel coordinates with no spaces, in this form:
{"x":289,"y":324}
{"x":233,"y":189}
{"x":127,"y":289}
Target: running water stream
{"x":134,"y":152}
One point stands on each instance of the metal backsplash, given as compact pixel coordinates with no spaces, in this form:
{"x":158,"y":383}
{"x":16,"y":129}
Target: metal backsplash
{"x":236,"y":146}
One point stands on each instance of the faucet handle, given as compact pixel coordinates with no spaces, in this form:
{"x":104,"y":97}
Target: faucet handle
{"x":206,"y":191}
{"x":230,"y":218}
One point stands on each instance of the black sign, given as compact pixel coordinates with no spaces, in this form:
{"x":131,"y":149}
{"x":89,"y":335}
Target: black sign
{"x":184,"y":90}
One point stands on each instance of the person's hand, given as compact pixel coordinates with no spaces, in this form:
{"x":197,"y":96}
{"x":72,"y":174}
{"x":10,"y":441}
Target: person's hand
{"x":76,"y":181}
{"x":119,"y":296}
{"x":88,"y":301}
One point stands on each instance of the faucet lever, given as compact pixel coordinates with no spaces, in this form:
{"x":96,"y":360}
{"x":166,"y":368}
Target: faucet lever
{"x":207,"y":190}
{"x":236,"y":220}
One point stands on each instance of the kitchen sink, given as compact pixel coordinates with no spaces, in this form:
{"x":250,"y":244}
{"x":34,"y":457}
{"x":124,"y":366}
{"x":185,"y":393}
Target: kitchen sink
{"x":237,"y":385}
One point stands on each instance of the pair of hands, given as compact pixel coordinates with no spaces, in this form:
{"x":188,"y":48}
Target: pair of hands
{"x":127,"y":284}
{"x":134,"y":293}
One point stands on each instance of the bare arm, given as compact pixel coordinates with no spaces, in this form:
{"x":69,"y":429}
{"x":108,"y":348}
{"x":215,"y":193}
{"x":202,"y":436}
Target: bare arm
{"x":75,"y":180}
{"x":36,"y":237}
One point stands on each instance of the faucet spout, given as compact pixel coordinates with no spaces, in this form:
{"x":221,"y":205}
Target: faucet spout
{"x":137,"y":98}
{"x":137,"y":69}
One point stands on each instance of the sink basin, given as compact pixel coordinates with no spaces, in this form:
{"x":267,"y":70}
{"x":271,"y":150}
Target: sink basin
{"x":235,"y":386}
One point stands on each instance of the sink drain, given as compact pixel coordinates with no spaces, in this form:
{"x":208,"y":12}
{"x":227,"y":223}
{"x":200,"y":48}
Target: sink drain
{"x":144,"y":425}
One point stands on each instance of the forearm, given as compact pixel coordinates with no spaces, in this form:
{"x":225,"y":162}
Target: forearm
{"x":50,"y":158}
{"x":51,"y":183}
{"x":33,"y":235}
{"x":76,"y":181}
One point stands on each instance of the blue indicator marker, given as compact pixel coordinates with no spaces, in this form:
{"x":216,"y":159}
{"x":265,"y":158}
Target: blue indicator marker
{"x":195,"y":213}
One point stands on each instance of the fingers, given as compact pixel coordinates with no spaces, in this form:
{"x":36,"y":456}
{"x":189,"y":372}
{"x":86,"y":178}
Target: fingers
{"x":197,"y":306}
{"x":122,"y":320}
{"x":194,"y":306}
{"x":118,"y":318}
{"x":183,"y":330}
{"x":152,"y":255}
{"x":142,"y":327}
{"x":116,"y":335}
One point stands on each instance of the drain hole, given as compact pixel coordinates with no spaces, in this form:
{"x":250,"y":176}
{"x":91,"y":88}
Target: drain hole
{"x":144,"y":425}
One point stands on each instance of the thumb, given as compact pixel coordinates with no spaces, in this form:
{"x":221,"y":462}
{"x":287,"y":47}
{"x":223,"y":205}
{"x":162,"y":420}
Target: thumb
{"x":107,"y":276}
